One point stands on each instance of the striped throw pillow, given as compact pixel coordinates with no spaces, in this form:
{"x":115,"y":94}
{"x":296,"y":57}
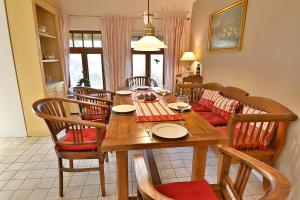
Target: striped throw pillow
{"x":224,"y":107}
{"x":208,"y":98}
{"x":254,"y":135}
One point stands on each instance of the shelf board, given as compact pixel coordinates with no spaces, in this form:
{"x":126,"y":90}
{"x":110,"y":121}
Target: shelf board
{"x":50,"y":61}
{"x":46,"y":35}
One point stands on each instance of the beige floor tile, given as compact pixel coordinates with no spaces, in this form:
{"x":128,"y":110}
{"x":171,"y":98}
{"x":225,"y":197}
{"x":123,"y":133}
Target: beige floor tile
{"x":73,"y":192}
{"x":46,"y":183}
{"x":5,"y":195}
{"x":181,"y":173}
{"x":77,"y":180}
{"x":29,"y":184}
{"x":38,"y":194}
{"x":12,"y":185}
{"x":7,"y":175}
{"x":167,"y":173}
{"x":22,"y":174}
{"x":21,"y":194}
{"x":90,"y":191}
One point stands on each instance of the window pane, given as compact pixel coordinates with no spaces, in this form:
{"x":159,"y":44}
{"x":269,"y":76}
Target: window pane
{"x":87,"y":39}
{"x":139,"y":65}
{"x":97,"y":40}
{"x":157,"y":70}
{"x":70,"y":40}
{"x":95,"y":70}
{"x":75,"y":69}
{"x":77,"y":40}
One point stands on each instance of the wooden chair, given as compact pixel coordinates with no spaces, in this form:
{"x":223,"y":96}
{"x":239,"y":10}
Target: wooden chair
{"x":140,"y":81}
{"x":195,"y":79}
{"x":279,"y":188}
{"x":97,"y":93}
{"x":74,"y":139}
{"x":102,"y":97}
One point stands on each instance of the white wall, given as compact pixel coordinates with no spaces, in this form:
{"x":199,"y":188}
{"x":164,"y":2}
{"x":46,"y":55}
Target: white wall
{"x":11,"y":115}
{"x":268,"y":64}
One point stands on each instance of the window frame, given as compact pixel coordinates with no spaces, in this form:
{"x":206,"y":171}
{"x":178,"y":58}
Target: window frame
{"x":84,"y":51}
{"x":148,"y":60}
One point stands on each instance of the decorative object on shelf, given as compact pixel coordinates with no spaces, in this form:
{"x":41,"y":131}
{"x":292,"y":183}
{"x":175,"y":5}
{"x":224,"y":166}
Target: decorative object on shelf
{"x":85,"y":82}
{"x":149,"y":42}
{"x":42,"y":29}
{"x":198,"y":69}
{"x":226,"y":27}
{"x":49,"y":56}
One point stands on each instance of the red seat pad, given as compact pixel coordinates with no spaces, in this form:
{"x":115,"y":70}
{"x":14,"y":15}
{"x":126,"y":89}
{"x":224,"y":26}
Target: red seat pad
{"x":213,"y":118}
{"x":193,"y":190}
{"x":89,"y":135}
{"x":200,"y":108}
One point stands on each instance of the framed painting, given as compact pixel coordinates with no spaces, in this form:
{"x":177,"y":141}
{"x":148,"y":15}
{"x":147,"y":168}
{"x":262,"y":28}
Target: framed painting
{"x":226,"y":27}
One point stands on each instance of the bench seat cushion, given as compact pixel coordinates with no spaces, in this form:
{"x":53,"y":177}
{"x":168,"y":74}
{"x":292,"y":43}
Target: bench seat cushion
{"x":200,"y":108}
{"x":213,"y":118}
{"x":196,"y":190}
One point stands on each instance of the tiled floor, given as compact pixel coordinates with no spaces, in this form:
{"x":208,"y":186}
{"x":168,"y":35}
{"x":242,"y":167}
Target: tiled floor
{"x":28,"y":170}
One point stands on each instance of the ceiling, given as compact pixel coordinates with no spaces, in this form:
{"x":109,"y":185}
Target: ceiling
{"x":133,"y":8}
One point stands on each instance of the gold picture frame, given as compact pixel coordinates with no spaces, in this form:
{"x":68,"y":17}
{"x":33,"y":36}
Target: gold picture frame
{"x":226,"y":27}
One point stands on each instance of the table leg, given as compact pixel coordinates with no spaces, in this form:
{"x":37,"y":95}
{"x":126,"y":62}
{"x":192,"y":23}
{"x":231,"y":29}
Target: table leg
{"x":122,"y":175}
{"x":199,"y":162}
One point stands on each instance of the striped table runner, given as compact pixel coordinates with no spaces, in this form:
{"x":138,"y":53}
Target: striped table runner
{"x":154,"y":111}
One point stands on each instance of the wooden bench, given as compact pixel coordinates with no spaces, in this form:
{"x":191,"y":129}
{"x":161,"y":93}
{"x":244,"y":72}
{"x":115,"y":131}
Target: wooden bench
{"x":275,"y":113}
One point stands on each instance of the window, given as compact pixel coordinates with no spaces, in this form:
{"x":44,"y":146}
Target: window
{"x":148,"y":63}
{"x":86,"y":58}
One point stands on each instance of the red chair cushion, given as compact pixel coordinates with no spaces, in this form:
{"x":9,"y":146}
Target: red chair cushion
{"x":224,"y":107}
{"x":89,"y":135}
{"x":208,"y":98}
{"x":213,"y":118}
{"x":200,"y":108}
{"x":193,"y":190}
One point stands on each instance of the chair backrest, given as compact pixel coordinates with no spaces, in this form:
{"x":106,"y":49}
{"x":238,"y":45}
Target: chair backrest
{"x":140,"y":81}
{"x":54,"y":112}
{"x":99,"y":93}
{"x":279,"y":187}
{"x":193,"y":79}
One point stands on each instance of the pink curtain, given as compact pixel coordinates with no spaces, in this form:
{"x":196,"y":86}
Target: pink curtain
{"x":176,"y":37}
{"x":64,"y":35}
{"x":116,"y":39}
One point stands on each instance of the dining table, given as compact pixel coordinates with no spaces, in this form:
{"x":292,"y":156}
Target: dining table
{"x":124,"y":134}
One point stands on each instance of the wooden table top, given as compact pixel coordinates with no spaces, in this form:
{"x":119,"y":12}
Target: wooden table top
{"x":123,"y":133}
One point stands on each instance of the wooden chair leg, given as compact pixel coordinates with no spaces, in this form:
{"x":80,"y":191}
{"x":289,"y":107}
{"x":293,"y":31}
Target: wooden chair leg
{"x":61,"y":177}
{"x":106,"y":157}
{"x":71,"y":164}
{"x":102,"y":178}
{"x":138,"y":194}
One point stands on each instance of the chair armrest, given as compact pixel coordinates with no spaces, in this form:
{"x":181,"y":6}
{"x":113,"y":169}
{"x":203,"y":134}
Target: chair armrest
{"x":269,"y":117}
{"x":280,"y":185}
{"x":144,"y":181}
{"x":99,"y":91}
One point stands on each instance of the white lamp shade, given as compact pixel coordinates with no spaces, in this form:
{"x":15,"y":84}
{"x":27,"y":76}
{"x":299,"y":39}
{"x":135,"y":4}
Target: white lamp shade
{"x":188,"y":56}
{"x":149,"y":43}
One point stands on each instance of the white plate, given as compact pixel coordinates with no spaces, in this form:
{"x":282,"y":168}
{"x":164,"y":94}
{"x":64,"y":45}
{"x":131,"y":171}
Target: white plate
{"x":143,"y":87}
{"x":123,"y":108}
{"x":174,"y":106}
{"x":169,"y":131}
{"x":124,"y":92}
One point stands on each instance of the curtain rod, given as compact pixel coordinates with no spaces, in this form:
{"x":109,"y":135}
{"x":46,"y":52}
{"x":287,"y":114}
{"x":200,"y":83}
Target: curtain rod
{"x":95,"y":16}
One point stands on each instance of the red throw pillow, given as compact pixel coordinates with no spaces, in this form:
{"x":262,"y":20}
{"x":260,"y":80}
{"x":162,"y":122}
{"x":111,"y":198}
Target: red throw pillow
{"x":254,"y":135}
{"x":208,"y":98}
{"x":224,"y":107}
